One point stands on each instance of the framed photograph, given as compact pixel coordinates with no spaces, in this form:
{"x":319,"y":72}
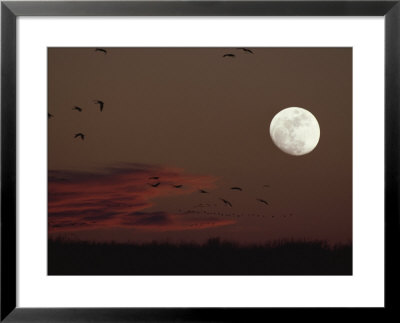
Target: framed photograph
{"x":198,"y":161}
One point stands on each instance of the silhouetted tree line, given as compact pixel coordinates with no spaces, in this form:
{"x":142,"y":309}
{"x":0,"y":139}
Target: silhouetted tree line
{"x":215,"y":257}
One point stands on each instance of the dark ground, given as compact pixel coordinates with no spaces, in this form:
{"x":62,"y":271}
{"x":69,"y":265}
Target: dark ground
{"x":67,"y":257}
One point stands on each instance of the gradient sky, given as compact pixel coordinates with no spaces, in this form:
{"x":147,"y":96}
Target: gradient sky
{"x":194,"y":118}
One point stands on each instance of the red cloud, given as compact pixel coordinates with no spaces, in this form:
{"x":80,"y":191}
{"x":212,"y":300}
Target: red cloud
{"x":119,"y":196}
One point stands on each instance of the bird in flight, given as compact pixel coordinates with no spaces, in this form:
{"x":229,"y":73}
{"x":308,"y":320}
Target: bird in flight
{"x":101,"y":50}
{"x":263,"y":201}
{"x":177,"y":186}
{"x":246,"y":50}
{"x":203,"y":191}
{"x":49,"y":115}
{"x":226,"y":202}
{"x":101,"y":103}
{"x":154,"y":177}
{"x":81,"y":135}
{"x":155,"y":185}
{"x":236,"y":188}
{"x":77,"y":108}
{"x":229,"y":55}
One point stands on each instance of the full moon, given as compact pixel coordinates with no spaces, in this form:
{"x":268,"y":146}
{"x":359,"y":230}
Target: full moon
{"x":295,"y":131}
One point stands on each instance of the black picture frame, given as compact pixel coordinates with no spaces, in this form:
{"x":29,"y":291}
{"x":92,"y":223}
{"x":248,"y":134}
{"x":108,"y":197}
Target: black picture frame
{"x":10,"y":10}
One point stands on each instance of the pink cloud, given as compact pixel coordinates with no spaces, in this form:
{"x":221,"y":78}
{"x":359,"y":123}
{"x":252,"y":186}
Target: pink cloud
{"x":119,"y":196}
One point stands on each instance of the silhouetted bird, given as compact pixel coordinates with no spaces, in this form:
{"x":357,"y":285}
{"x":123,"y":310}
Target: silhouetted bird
{"x":203,"y":191}
{"x":101,"y":103}
{"x":266,"y":186}
{"x":229,"y":55}
{"x":81,"y":135}
{"x":49,"y":115}
{"x":101,"y":50}
{"x":155,"y":185}
{"x":236,"y":188}
{"x":263,"y":201}
{"x":177,"y":186}
{"x":226,"y":202}
{"x":154,"y":177}
{"x":246,"y":50}
{"x":77,"y":108}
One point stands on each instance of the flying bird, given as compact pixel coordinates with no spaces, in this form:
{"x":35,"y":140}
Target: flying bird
{"x":177,"y":186}
{"x":246,"y":50}
{"x":203,"y":191}
{"x":155,"y":185}
{"x":229,"y":55}
{"x":226,"y":202}
{"x":101,"y":103}
{"x":49,"y":115}
{"x":81,"y":135}
{"x":77,"y":108}
{"x":101,"y":50}
{"x":236,"y":188}
{"x":154,"y":177}
{"x":263,"y":201}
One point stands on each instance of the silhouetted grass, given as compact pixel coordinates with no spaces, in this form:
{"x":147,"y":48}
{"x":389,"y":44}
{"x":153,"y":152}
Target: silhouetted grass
{"x":215,"y":257}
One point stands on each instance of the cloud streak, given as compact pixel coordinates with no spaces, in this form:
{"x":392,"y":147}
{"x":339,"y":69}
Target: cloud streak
{"x":120,"y":196}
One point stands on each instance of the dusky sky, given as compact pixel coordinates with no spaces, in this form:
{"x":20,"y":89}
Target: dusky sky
{"x":194,"y":118}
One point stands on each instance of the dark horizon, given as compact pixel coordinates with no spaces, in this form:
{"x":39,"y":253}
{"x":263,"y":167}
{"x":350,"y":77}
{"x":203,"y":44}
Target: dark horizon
{"x":212,"y":257}
{"x":198,"y":122}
